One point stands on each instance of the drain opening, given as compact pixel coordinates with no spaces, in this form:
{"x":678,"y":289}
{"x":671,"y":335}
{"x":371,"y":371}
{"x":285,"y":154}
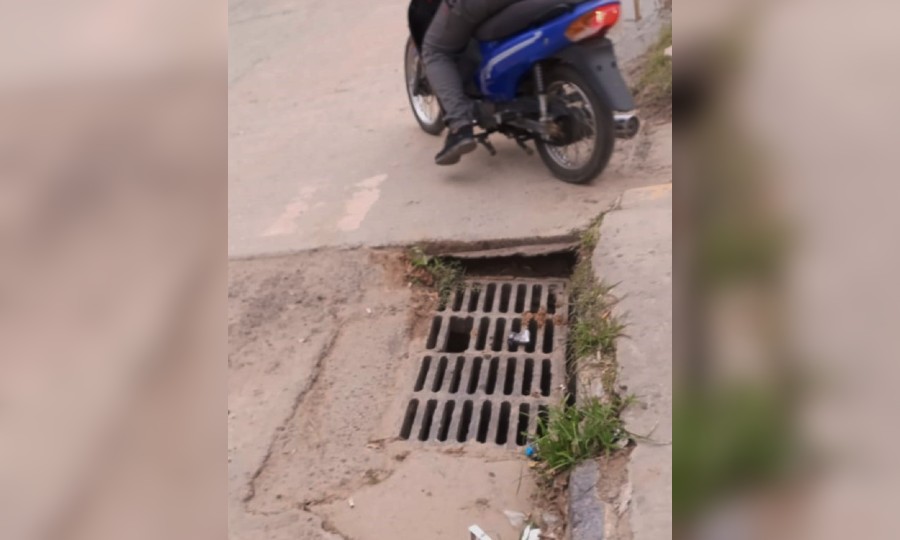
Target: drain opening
{"x":536,"y":298}
{"x":503,"y":423}
{"x":483,"y":327}
{"x":546,"y":378}
{"x":527,"y":375}
{"x":543,"y":418}
{"x":446,"y":419}
{"x":499,"y":335}
{"x":409,"y":418}
{"x":433,"y":333}
{"x":462,"y":433}
{"x":439,"y":375}
{"x":423,"y":374}
{"x":473,"y":297}
{"x":427,"y":419}
{"x":532,"y":340}
{"x":474,"y":375}
{"x":510,"y":380}
{"x":505,"y":289}
{"x":457,"y":375}
{"x":457,"y":300}
{"x":492,"y":376}
{"x":520,"y":298}
{"x":548,"y":337}
{"x":489,"y":297}
{"x":515,"y":328}
{"x":522,"y":426}
{"x":484,"y":422}
{"x":480,"y":317}
{"x":459,"y":334}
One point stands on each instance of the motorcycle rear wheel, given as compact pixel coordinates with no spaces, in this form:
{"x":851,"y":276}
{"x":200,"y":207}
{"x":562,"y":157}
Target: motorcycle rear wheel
{"x":424,"y":103}
{"x":583,"y":160}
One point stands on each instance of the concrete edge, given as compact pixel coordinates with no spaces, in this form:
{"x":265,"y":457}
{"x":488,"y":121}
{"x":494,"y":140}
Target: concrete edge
{"x":586,"y":511}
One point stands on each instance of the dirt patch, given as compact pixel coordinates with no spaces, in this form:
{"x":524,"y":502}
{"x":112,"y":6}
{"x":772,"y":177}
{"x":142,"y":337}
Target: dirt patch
{"x":615,"y":490}
{"x":539,"y":317}
{"x":399,"y":272}
{"x":315,"y":342}
{"x":436,"y":495}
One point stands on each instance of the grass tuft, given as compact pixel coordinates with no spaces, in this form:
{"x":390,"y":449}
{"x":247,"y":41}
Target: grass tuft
{"x":653,"y":90}
{"x":445,"y":276}
{"x":571,"y":434}
{"x":595,"y":327}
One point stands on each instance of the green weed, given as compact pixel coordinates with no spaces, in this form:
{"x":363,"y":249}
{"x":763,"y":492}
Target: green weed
{"x":571,"y":434}
{"x":653,"y":89}
{"x":445,"y":276}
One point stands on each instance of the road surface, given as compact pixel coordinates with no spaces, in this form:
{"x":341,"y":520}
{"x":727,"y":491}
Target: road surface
{"x":324,"y":150}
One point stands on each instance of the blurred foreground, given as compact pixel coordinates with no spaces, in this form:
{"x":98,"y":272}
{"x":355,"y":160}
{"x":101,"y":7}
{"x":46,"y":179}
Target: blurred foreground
{"x":112,"y":270}
{"x":786,"y":335}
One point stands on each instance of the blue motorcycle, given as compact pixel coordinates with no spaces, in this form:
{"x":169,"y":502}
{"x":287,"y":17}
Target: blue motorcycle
{"x":542,"y":71}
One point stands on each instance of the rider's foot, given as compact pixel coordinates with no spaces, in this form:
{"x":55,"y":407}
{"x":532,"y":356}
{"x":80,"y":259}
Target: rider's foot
{"x":459,"y":141}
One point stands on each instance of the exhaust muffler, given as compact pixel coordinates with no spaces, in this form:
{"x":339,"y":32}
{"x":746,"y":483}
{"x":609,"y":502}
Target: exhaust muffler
{"x":627,"y":125}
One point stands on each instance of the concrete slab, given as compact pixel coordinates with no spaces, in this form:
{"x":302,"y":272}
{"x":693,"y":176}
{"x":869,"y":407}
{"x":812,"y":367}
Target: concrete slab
{"x":324,"y":150}
{"x":635,"y":250}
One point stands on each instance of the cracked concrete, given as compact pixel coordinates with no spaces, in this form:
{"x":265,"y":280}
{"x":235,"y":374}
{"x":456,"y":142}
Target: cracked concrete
{"x":635,"y":250}
{"x":319,"y":365}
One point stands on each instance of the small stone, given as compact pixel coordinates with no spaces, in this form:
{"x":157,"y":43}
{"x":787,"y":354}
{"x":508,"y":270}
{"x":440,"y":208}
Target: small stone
{"x":550,"y":518}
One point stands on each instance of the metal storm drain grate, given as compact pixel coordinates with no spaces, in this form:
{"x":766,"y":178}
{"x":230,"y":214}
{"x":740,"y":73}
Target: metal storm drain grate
{"x":475,"y":382}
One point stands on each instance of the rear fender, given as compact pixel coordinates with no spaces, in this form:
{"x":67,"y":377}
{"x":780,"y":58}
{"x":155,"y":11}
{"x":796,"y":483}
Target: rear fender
{"x":595,"y":60}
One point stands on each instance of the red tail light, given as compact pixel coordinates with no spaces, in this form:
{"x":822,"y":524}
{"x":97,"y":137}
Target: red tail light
{"x":593,"y":22}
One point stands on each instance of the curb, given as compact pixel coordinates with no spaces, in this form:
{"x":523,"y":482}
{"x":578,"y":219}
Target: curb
{"x":586,"y":510}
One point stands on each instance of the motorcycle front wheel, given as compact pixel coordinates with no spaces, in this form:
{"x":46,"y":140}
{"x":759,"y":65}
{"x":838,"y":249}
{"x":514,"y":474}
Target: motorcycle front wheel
{"x":589,"y":132}
{"x":424,"y":103}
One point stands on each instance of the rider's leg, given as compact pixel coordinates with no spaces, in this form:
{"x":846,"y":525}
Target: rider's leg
{"x":447,"y":36}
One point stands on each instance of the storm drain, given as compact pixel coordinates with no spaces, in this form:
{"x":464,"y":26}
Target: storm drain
{"x":472,"y":383}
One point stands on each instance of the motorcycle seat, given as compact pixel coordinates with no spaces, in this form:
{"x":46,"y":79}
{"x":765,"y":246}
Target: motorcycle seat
{"x":522,"y":15}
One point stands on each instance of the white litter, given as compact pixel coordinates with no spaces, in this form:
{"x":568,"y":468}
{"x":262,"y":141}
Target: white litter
{"x":475,"y":533}
{"x":531,"y":533}
{"x":522,"y":338}
{"x":351,"y":503}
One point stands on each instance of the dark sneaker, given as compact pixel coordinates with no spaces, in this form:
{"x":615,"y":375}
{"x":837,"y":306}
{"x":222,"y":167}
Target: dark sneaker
{"x":460,"y":141}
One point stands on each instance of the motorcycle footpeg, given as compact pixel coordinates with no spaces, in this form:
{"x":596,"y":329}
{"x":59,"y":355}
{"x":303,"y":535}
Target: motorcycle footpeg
{"x":483,"y":141}
{"x":524,"y":146}
{"x":486,"y":115}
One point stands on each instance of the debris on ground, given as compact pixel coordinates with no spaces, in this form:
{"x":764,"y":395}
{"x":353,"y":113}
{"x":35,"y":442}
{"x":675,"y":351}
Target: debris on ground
{"x":521,"y":338}
{"x":539,"y":316}
{"x":351,"y":503}
{"x":475,"y":533}
{"x":530,"y":533}
{"x":516,"y":519}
